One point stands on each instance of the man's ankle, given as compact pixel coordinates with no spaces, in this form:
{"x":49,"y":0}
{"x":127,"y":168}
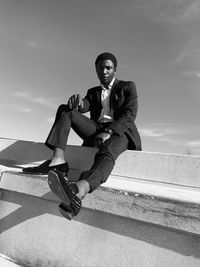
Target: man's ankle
{"x":83,"y":187}
{"x":58,"y":156}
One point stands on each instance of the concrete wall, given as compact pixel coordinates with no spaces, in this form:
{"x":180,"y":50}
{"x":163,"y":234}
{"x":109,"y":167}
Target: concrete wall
{"x":140,"y":217}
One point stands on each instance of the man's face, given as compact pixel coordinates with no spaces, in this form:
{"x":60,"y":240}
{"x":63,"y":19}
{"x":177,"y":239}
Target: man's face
{"x":105,"y":71}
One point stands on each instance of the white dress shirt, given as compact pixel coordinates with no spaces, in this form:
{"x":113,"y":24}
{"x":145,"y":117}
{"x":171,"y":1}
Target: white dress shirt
{"x":106,"y":115}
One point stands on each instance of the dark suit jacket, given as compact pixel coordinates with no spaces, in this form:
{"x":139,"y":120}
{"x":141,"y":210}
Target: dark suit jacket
{"x":123,"y":104}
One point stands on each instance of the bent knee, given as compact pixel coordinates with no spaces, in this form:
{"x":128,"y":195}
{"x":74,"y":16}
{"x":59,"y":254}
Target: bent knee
{"x":63,"y":107}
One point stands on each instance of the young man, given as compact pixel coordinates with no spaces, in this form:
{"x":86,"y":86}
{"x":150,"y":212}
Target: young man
{"x":113,"y":107}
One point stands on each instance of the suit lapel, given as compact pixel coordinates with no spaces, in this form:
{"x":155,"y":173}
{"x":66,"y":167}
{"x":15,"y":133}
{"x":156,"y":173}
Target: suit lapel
{"x":113,"y":91}
{"x":99,"y":89}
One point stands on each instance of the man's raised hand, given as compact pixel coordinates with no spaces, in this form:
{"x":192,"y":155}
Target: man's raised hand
{"x":75,"y":101}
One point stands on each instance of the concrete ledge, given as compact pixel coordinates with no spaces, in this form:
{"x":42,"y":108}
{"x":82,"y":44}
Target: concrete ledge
{"x":176,"y":177}
{"x":165,"y":168}
{"x":153,"y":212}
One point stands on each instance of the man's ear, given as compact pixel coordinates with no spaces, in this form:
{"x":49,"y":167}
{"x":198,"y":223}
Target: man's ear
{"x":115,"y":69}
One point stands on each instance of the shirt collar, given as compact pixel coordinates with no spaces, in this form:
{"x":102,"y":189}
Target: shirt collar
{"x":109,"y":86}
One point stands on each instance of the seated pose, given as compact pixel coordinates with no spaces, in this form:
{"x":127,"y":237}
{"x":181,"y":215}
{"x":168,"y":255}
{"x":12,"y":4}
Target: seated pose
{"x":113,"y":107}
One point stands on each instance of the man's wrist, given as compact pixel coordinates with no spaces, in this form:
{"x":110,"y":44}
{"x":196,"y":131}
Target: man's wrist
{"x":109,"y":131}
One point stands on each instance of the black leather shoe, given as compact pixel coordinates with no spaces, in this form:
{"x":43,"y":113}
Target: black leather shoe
{"x":65,"y":191}
{"x":44,"y":168}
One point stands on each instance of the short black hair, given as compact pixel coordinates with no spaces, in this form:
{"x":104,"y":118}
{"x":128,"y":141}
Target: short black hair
{"x":106,"y":56}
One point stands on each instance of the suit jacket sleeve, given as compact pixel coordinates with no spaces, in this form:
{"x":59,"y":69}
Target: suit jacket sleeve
{"x":126,"y":111}
{"x":86,"y":104}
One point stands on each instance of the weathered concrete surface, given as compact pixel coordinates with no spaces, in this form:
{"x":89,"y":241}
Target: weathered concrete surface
{"x":33,"y":232}
{"x":117,"y":226}
{"x":162,"y":211}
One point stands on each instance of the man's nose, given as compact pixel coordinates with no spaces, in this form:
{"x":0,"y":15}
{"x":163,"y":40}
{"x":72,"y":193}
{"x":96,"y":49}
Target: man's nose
{"x":104,"y":70}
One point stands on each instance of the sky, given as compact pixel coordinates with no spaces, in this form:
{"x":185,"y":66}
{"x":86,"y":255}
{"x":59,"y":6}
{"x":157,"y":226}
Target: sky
{"x":48,"y":49}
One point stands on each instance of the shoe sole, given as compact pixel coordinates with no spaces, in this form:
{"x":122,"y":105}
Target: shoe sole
{"x":57,"y":188}
{"x":65,"y":211}
{"x":41,"y":173}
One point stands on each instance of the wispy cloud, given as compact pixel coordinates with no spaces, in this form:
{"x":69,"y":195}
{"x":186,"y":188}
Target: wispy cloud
{"x":192,"y":73}
{"x":161,"y":133}
{"x":150,"y":132}
{"x":164,"y":133}
{"x":190,"y":52}
{"x":173,"y":135}
{"x":21,"y":94}
{"x":13,"y":38}
{"x":189,"y":59}
{"x":191,"y":11}
{"x":170,"y":11}
{"x":29,"y":97}
{"x":194,"y":143}
{"x":179,"y":11}
{"x":160,"y":130}
{"x":24,"y":109}
{"x":48,"y":102}
{"x":185,"y":52}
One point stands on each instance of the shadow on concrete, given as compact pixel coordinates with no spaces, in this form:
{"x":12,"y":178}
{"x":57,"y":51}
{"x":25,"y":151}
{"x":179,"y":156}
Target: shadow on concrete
{"x":10,"y":163}
{"x":170,"y":239}
{"x":27,"y":152}
{"x":178,"y":242}
{"x":21,"y":152}
{"x":27,"y":209}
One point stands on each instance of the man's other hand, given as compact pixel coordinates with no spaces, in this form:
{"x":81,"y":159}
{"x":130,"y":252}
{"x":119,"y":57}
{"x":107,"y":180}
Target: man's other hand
{"x":101,"y":138}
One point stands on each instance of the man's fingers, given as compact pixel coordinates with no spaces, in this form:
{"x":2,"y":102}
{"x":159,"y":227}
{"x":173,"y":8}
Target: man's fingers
{"x":105,"y":137}
{"x":75,"y":101}
{"x":69,"y":103}
{"x":78,"y":99}
{"x":101,"y":138}
{"x":81,"y":103}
